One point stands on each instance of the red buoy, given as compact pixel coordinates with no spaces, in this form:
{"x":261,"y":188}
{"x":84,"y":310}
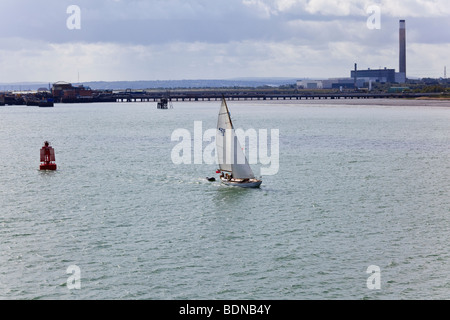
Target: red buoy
{"x":47,"y":157}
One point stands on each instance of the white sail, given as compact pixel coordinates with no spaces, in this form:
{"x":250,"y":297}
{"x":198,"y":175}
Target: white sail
{"x":231,"y":157}
{"x":223,"y":128}
{"x":241,"y":168}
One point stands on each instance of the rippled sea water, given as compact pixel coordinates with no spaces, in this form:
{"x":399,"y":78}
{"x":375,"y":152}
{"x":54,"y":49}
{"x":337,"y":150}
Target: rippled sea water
{"x":360,"y":183}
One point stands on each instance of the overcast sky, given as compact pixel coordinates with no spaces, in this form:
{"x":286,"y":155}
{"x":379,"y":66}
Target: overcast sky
{"x":217,"y":39}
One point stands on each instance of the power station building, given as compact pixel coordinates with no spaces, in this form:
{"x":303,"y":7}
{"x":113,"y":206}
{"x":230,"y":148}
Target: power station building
{"x":375,"y":75}
{"x":342,"y":83}
{"x":387,"y":75}
{"x":359,"y":78}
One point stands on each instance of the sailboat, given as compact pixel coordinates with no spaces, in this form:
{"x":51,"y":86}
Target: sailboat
{"x":234,"y":167}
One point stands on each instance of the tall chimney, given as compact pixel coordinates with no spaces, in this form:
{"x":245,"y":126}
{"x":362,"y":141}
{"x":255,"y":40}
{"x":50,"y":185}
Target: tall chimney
{"x":402,"y":51}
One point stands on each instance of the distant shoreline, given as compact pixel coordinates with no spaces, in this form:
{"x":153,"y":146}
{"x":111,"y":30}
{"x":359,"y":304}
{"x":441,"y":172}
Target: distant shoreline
{"x":433,"y":98}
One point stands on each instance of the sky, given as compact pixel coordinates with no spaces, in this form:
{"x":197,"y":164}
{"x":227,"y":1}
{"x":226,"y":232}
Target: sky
{"x":126,"y":40}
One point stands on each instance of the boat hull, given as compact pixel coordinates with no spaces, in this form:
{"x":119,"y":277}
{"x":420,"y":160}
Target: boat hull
{"x":46,"y":104}
{"x":252,"y":183}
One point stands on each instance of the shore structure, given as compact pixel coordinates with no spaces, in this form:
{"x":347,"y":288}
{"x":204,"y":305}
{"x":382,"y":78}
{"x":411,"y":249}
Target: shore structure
{"x":63,"y":92}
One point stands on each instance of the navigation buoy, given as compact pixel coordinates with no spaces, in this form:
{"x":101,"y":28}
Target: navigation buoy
{"x":47,"y":157}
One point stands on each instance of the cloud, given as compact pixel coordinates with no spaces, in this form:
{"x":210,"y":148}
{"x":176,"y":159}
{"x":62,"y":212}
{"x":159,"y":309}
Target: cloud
{"x":416,"y":8}
{"x":202,"y":60}
{"x":173,"y":39}
{"x":218,"y":21}
{"x":393,"y":8}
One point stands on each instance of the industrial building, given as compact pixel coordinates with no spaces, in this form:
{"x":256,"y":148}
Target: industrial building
{"x":65,"y":91}
{"x":342,"y":83}
{"x":335,"y":83}
{"x":374,"y":75}
{"x":309,"y":84}
{"x":361,"y":78}
{"x":386,"y":75}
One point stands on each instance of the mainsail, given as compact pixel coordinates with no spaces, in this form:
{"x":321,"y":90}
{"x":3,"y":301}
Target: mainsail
{"x":231,"y":158}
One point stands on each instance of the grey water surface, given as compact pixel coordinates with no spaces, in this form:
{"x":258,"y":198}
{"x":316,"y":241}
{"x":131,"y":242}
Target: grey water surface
{"x":359,"y":184}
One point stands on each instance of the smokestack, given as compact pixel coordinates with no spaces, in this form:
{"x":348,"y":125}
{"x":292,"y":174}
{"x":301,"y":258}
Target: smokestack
{"x":402,"y":51}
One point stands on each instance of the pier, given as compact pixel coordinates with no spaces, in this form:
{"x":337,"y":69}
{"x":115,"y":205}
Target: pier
{"x":215,"y":95}
{"x":207,"y":94}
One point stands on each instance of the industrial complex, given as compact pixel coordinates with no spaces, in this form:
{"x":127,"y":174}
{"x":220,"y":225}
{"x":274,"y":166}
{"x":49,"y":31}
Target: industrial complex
{"x":365,"y":78}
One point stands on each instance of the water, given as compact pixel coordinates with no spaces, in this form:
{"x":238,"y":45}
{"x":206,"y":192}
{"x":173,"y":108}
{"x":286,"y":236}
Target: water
{"x":360,"y":183}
